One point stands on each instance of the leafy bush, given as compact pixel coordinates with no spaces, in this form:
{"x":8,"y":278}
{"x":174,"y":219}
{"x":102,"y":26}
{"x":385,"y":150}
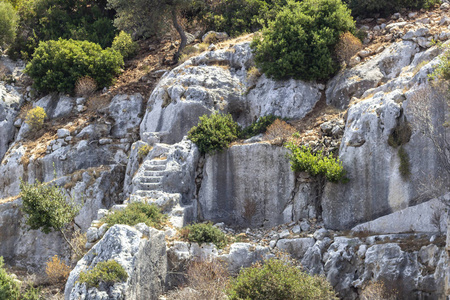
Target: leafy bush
{"x":108,"y":272}
{"x":57,"y":65}
{"x":240,"y":16}
{"x":204,"y":233}
{"x":214,"y":133}
{"x":57,"y":271}
{"x":365,"y":8}
{"x":347,"y":47}
{"x":278,"y":280}
{"x":125,"y":45}
{"x":260,"y":126}
{"x":8,"y":23}
{"x":45,"y":207}
{"x":9,"y":288}
{"x":300,"y":42}
{"x":136,"y":213}
{"x":304,"y":160}
{"x":35,"y":118}
{"x":43,"y":20}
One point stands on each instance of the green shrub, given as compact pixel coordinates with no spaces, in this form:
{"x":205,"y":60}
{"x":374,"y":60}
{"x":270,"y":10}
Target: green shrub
{"x":240,"y":16}
{"x":278,"y":280}
{"x":43,"y":20}
{"x":57,"y":65}
{"x":136,"y":213}
{"x":300,"y":42}
{"x":35,"y":118}
{"x":108,"y":272}
{"x":364,"y":8}
{"x":8,"y":23}
{"x":404,"y":167}
{"x":45,"y":207}
{"x":125,"y":45}
{"x":204,"y":233}
{"x":214,"y":133}
{"x":9,"y":288}
{"x":442,"y":71}
{"x":260,"y":126}
{"x":304,"y":160}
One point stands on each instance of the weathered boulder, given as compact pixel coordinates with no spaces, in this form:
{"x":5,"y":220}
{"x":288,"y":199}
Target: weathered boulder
{"x":10,"y":102}
{"x":126,"y":111}
{"x":141,"y":251}
{"x":56,"y":106}
{"x":250,"y":185}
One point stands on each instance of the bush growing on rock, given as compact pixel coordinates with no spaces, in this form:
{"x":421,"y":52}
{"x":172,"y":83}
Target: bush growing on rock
{"x":260,"y":126}
{"x":214,"y":133}
{"x":57,"y":271}
{"x":304,"y":160}
{"x":365,"y":8}
{"x":204,"y":233}
{"x":278,"y":280}
{"x":300,"y":42}
{"x":9,"y":288}
{"x":136,"y":213}
{"x":57,"y":65}
{"x":35,"y":118}
{"x":108,"y":272}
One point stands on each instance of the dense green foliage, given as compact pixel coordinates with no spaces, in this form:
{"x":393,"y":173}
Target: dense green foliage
{"x":8,"y":23}
{"x":304,"y":160}
{"x":136,"y":213}
{"x":204,"y":233}
{"x":278,"y":280}
{"x":124,"y":44}
{"x":57,"y":65}
{"x":45,"y":207}
{"x":9,"y":288}
{"x":214,"y":133}
{"x":43,"y":20}
{"x":240,"y":16}
{"x":300,"y":42}
{"x":108,"y":272}
{"x":365,"y":8}
{"x":260,"y":126}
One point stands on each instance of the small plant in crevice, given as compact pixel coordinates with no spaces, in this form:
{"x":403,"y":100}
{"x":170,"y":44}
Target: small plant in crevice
{"x":404,"y":167}
{"x":108,"y":272}
{"x":143,"y":151}
{"x":135,"y":213}
{"x":214,"y":133}
{"x":304,"y":160}
{"x":35,"y":118}
{"x":204,"y":233}
{"x":279,"y":132}
{"x":260,"y":126}
{"x":57,"y":271}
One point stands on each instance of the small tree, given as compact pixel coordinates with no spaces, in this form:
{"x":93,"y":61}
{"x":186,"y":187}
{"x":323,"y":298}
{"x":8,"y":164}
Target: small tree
{"x":147,"y":17}
{"x":8,"y":23}
{"x":46,"y":208}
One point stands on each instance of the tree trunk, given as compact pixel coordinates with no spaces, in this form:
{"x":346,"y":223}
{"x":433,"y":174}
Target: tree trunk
{"x":68,"y":242}
{"x":181,"y":32}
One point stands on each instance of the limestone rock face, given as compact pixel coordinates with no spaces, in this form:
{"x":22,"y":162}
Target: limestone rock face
{"x":383,"y":67}
{"x":249,"y":185}
{"x":141,"y":252}
{"x":220,"y":81}
{"x":10,"y":102}
{"x":126,"y":111}
{"x":376,"y":187}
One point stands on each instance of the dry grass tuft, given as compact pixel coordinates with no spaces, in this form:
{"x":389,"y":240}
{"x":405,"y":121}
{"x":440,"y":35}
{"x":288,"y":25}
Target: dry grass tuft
{"x":206,"y":280}
{"x":57,"y":271}
{"x":347,"y":47}
{"x":378,"y":291}
{"x":279,"y":132}
{"x":85,"y":86}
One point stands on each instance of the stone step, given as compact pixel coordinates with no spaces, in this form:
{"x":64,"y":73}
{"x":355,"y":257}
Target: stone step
{"x":149,"y":186}
{"x":154,"y":173}
{"x":156,"y":162}
{"x":149,"y":194}
{"x":150,"y":167}
{"x":150,"y":179}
